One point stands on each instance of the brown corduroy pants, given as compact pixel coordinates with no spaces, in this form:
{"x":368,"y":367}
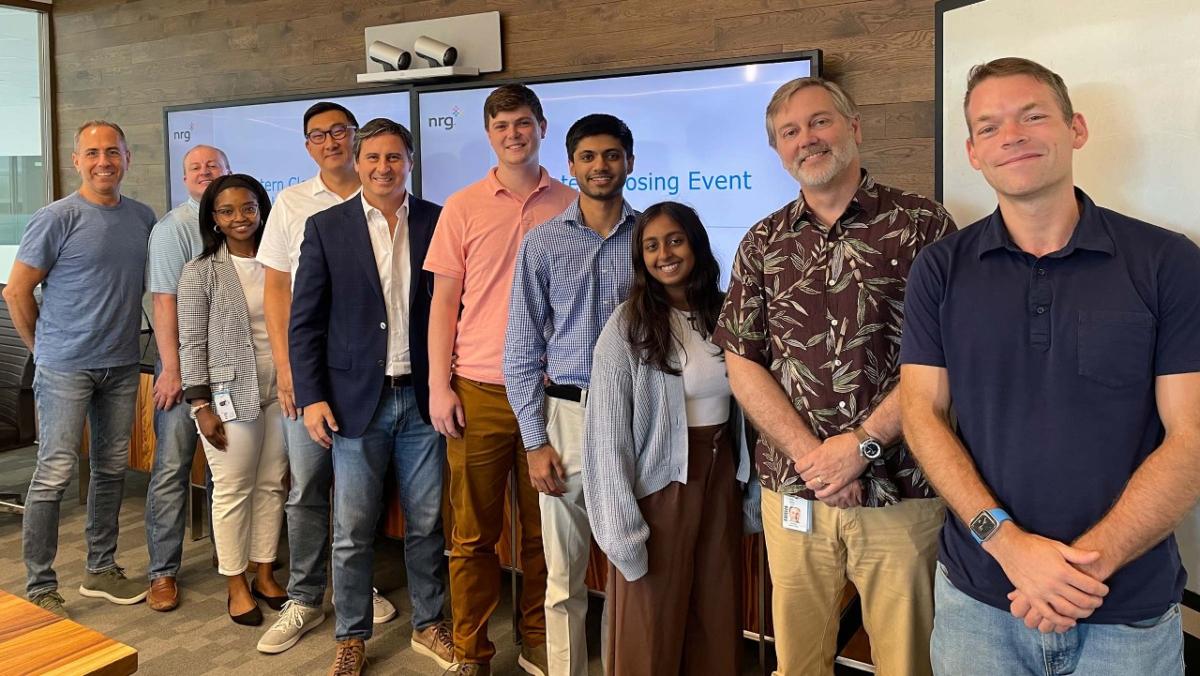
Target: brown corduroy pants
{"x":480,"y":461}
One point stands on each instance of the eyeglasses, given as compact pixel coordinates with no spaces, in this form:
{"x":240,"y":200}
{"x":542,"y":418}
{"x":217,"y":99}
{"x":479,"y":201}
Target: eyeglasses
{"x":337,"y":131}
{"x":229,"y":213}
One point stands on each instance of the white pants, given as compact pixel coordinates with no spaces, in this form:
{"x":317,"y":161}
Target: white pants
{"x":248,"y":494}
{"x":566,"y":538}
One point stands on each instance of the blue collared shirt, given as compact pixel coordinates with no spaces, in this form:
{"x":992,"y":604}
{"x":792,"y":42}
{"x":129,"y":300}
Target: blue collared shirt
{"x":1052,"y":364}
{"x":174,"y":241}
{"x":568,"y":280}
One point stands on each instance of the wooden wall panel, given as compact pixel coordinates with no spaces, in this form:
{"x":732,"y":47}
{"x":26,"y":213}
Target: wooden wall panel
{"x":125,"y":61}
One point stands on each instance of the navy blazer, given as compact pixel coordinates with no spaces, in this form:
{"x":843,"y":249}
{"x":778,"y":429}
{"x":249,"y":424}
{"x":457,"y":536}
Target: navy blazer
{"x":338,"y":350}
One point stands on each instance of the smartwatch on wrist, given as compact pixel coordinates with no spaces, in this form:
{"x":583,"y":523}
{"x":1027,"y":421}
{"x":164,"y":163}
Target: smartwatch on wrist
{"x":868,"y":446}
{"x":986,"y":523}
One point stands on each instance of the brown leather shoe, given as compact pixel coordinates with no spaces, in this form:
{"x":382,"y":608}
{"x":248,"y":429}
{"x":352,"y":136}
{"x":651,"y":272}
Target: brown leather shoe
{"x":350,"y":659}
{"x":435,"y":642}
{"x":164,"y":595}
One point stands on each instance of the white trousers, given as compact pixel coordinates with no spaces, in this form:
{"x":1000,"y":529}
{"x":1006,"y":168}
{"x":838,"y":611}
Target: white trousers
{"x":566,"y":538}
{"x":248,"y":494}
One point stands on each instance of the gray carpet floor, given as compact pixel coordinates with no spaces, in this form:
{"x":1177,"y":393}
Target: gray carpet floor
{"x":198,"y":637}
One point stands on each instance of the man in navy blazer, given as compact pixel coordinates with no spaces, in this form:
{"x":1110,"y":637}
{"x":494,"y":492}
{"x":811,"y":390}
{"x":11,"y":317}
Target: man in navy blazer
{"x":357,"y":340}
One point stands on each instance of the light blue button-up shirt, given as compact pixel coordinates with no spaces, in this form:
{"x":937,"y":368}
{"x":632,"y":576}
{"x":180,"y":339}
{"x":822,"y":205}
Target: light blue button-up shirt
{"x":174,"y":241}
{"x":567,"y":282}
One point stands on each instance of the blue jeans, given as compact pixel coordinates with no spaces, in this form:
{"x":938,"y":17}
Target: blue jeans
{"x":106,"y":398}
{"x":170,"y":479}
{"x":396,"y":433}
{"x":307,"y":512}
{"x":970,"y":637}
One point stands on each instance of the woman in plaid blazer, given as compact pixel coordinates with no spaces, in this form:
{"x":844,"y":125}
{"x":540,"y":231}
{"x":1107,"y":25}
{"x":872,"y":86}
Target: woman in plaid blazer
{"x":229,"y":382}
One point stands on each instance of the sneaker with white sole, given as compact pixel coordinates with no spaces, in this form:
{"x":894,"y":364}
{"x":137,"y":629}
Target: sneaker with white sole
{"x":435,"y":642}
{"x":112,"y":585}
{"x":294,"y":621}
{"x":382,"y":609}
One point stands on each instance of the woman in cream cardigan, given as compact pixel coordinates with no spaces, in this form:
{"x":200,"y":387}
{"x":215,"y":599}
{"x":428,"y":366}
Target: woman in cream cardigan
{"x":663,"y":460}
{"x":229,"y":382}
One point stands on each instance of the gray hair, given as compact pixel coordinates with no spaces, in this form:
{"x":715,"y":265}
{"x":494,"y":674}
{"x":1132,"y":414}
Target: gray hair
{"x":841,"y":100}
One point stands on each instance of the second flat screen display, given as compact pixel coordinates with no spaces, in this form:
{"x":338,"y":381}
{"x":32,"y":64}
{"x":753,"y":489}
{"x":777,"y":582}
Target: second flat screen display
{"x":699,"y":138}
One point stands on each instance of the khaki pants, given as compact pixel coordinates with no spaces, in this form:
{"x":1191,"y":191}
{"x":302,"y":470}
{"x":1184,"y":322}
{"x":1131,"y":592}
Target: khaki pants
{"x":888,"y":553}
{"x":682,"y":617}
{"x":480,"y":461}
{"x":567,"y":541}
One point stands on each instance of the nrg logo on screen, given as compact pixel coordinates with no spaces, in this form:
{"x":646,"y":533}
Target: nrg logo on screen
{"x":445,"y":122}
{"x":184,"y":135}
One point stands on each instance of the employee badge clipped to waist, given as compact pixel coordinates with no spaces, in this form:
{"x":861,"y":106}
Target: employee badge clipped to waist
{"x":797,"y":514}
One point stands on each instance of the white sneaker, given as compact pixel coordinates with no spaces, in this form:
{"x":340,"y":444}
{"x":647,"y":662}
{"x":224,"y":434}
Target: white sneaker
{"x":382,"y":609}
{"x":294,"y":621}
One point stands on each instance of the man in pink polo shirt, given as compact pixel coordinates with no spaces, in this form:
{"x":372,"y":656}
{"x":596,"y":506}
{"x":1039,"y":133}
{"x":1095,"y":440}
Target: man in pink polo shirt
{"x":472,"y":256}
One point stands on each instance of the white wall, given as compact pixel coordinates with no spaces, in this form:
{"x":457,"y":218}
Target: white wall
{"x":1133,"y":71}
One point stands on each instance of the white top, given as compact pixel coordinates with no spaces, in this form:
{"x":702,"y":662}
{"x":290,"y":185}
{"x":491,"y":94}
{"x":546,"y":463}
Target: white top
{"x":280,"y":246}
{"x":395,"y":271}
{"x":705,"y":384}
{"x":252,"y":276}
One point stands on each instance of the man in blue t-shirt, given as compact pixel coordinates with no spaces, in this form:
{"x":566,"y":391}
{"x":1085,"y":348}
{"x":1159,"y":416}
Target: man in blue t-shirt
{"x":88,"y":251}
{"x":1067,"y":338}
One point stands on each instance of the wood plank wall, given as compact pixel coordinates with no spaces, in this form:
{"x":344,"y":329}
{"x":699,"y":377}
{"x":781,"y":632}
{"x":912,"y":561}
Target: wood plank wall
{"x":125,"y":60}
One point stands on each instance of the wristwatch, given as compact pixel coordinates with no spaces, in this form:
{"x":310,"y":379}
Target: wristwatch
{"x":986,"y":523}
{"x":868,"y":446}
{"x":195,"y":409}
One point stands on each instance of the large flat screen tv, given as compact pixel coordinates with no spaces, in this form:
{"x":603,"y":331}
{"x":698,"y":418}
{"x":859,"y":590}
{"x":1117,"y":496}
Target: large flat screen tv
{"x":264,"y":138}
{"x":699,"y":137}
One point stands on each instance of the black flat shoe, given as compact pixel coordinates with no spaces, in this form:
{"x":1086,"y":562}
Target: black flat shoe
{"x":275,"y":602}
{"x":250,"y":618}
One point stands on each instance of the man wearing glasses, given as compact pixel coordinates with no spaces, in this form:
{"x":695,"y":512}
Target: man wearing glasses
{"x":329,"y":135}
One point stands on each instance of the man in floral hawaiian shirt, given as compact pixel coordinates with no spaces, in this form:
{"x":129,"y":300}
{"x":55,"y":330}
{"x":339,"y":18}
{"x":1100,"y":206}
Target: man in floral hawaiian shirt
{"x":811,"y":331}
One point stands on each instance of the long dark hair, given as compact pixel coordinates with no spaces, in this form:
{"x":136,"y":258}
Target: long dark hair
{"x":649,"y":309}
{"x":210,"y":234}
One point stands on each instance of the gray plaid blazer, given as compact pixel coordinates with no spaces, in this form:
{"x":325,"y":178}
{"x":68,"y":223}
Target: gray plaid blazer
{"x":216,"y":347}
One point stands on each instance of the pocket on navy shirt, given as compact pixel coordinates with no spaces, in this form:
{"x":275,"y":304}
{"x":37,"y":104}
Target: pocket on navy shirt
{"x":1116,"y":348}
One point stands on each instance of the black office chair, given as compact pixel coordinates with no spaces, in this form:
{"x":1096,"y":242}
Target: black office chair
{"x":18,"y":425}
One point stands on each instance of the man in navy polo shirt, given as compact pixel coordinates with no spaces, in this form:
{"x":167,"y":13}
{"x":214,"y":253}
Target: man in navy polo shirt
{"x":1067,"y":337}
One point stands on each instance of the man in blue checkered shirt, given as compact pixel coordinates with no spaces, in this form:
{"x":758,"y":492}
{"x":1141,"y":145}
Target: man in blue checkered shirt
{"x":583,"y":254}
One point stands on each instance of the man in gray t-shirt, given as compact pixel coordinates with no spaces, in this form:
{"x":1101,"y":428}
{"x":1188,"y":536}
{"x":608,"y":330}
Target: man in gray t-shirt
{"x":88,"y":251}
{"x":174,"y":241}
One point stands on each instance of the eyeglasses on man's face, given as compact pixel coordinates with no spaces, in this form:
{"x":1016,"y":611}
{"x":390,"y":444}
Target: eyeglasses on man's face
{"x":337,"y":131}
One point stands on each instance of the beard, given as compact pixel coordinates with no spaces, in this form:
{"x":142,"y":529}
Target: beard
{"x":840,"y":157}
